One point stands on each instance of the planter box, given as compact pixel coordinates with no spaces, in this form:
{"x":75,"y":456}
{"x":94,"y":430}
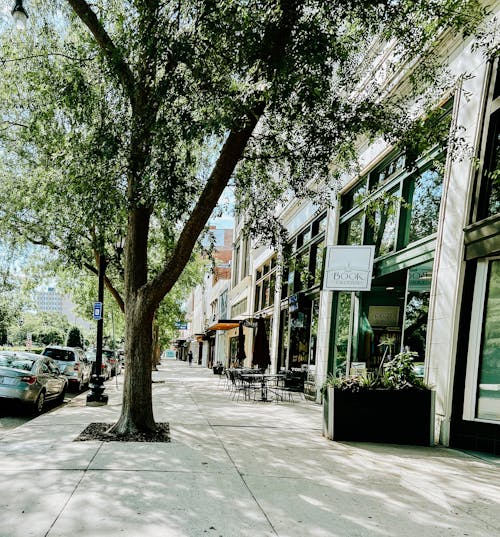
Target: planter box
{"x":387,"y":416}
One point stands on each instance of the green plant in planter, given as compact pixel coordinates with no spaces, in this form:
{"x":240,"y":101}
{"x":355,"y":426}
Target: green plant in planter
{"x":397,"y":374}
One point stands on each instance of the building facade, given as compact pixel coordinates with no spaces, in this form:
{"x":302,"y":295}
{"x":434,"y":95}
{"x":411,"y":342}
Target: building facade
{"x":434,"y":225}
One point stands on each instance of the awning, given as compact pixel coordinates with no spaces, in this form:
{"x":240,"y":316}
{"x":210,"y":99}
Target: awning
{"x":223,"y":324}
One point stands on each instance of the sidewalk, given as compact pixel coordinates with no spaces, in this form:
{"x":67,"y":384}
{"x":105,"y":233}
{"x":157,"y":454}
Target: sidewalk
{"x":233,"y":469}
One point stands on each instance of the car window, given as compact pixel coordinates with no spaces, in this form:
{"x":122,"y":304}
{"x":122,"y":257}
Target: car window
{"x":52,"y":366}
{"x":43,"y":368}
{"x":22,"y":364}
{"x":60,"y":354}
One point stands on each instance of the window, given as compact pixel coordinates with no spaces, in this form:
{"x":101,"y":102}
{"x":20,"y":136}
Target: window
{"x":489,"y":184}
{"x":352,"y":230}
{"x":491,"y":173}
{"x":304,"y":268}
{"x":482,"y":399}
{"x":424,"y":199}
{"x":265,"y":286}
{"x":488,"y":401}
{"x":382,"y":224}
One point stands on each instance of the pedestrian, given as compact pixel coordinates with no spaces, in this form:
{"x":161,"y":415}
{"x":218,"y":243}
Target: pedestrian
{"x":190,"y":357}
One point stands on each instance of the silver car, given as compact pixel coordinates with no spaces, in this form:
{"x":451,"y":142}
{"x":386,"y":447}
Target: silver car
{"x":73,"y":363}
{"x":30,"y":379}
{"x":105,"y":365}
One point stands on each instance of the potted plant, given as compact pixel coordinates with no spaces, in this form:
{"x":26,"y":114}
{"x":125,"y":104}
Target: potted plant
{"x":392,"y":406}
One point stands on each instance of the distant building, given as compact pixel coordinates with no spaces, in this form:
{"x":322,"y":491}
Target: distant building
{"x":49,"y":300}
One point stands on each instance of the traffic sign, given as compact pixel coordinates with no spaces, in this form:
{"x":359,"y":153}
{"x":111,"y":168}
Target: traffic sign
{"x":181,"y":326}
{"x":97,"y":311}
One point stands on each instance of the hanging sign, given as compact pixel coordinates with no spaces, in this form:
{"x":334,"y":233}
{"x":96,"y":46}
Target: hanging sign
{"x":420,"y":278}
{"x":348,"y":268}
{"x":180,"y":326}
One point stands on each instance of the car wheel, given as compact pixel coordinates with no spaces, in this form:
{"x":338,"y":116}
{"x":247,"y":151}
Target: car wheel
{"x":39,"y":404}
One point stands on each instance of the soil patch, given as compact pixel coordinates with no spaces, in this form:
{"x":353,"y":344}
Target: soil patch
{"x":99,"y":431}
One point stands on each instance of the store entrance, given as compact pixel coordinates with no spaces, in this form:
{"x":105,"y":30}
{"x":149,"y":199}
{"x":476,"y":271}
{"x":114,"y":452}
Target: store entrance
{"x":381,"y":320}
{"x":392,"y":316}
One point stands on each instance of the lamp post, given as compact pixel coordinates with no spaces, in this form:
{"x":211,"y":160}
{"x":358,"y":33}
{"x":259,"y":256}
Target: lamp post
{"x":20,"y":15}
{"x":96,"y":395}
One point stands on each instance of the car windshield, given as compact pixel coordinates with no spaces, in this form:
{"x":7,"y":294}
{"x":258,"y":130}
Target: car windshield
{"x":60,"y":354}
{"x":21,"y":364}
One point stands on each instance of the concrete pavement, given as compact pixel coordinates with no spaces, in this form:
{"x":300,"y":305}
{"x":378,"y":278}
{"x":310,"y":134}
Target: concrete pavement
{"x":233,"y":469}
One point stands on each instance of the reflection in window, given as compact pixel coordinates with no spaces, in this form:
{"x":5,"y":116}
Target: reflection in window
{"x":415,"y":328}
{"x":488,"y":404}
{"x":314,"y":332}
{"x":425,"y":199}
{"x":302,"y":267}
{"x":492,"y":167}
{"x":382,"y":221}
{"x":317,"y":255}
{"x":342,"y":332}
{"x":351,"y":198}
{"x":353,"y":230}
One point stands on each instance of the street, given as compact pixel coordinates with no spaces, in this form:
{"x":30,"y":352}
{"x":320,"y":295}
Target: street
{"x":12,"y":416}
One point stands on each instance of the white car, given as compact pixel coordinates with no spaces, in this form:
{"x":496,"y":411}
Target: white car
{"x":73,"y":363}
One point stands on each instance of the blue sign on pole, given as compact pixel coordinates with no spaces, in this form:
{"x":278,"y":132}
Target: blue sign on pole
{"x":181,"y":326}
{"x":97,"y":311}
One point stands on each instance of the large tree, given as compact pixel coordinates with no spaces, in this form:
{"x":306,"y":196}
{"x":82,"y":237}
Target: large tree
{"x":135,"y":116}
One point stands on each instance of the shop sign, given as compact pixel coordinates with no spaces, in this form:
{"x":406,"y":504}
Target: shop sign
{"x":420,"y":278}
{"x":293,"y":303}
{"x":180,"y":325}
{"x":348,"y":268}
{"x":383,"y":315}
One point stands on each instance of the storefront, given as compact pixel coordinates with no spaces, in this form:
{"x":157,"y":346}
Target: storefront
{"x":300,"y":296}
{"x":475,"y":422}
{"x":396,"y":210}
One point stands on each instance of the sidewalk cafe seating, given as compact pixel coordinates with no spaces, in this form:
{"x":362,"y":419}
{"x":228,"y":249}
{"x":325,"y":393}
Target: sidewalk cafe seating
{"x":293,"y":382}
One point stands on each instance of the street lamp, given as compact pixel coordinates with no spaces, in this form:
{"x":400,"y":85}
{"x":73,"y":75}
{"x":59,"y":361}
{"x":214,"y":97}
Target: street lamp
{"x":96,"y":395}
{"x":20,"y":15}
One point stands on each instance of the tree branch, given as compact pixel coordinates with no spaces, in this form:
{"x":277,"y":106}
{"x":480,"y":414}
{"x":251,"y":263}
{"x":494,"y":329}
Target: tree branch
{"x":3,"y":61}
{"x":113,"y":55}
{"x":276,"y":39}
{"x":111,"y":288}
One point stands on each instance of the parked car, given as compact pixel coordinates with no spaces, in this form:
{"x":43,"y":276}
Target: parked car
{"x":113,"y":360}
{"x":31,"y":379}
{"x":105,"y":365}
{"x":73,"y":363}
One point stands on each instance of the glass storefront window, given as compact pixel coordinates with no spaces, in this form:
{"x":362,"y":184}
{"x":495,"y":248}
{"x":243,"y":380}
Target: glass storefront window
{"x":302,"y":268}
{"x":317,"y":255}
{"x":415,"y":326}
{"x":424,"y":200}
{"x":313,"y":338}
{"x":342,"y":327}
{"x":488,"y":401}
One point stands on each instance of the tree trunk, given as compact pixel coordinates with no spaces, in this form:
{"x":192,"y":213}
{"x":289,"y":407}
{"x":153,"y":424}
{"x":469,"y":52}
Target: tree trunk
{"x":137,"y":408}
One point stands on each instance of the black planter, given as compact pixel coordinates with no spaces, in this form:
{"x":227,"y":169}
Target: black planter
{"x":386,"y":416}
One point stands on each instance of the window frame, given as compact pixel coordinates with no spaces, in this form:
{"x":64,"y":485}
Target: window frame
{"x":475,"y":341}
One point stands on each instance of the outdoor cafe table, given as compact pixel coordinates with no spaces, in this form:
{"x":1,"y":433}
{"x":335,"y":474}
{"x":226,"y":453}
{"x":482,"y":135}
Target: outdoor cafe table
{"x":264,"y":379}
